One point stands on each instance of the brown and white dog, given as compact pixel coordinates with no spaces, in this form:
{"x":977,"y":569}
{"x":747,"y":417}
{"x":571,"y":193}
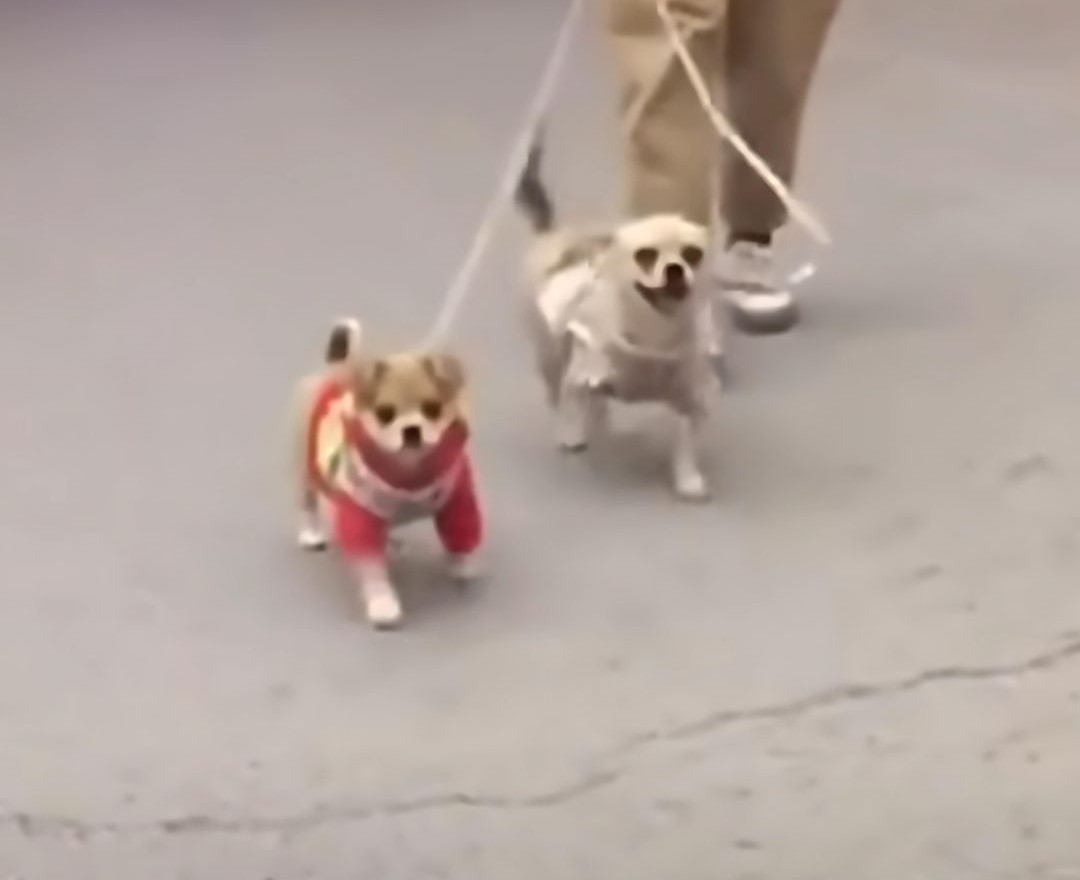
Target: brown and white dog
{"x":380,"y":443}
{"x":617,"y":314}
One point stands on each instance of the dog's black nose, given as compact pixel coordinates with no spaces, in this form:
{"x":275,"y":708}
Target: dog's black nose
{"x":412,"y":436}
{"x":674,"y":273}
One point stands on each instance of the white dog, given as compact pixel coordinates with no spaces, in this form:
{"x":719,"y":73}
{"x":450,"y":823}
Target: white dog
{"x":617,"y":315}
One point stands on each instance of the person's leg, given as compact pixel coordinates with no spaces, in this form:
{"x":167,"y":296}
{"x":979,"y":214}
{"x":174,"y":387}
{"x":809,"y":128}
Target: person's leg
{"x":669,"y":143}
{"x":771,"y":53}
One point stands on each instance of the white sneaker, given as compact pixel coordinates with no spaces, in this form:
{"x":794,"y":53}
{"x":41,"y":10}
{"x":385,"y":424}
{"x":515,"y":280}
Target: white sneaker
{"x":758,"y":302}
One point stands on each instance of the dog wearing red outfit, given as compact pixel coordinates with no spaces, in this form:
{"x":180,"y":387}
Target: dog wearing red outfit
{"x":381,"y":443}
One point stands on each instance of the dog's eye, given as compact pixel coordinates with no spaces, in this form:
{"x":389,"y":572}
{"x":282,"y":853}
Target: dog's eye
{"x":693,"y":255}
{"x":646,"y":257}
{"x":431,"y":410}
{"x":385,"y":414}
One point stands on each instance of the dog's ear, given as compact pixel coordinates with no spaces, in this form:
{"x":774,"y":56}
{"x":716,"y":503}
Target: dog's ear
{"x":365,"y":378}
{"x":447,"y":372}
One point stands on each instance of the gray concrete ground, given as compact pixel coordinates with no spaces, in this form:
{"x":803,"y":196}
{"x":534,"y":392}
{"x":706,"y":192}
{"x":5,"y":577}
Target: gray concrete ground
{"x":860,"y":661}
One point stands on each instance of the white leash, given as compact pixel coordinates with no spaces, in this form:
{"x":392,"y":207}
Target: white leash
{"x":462,"y":283}
{"x":519,"y":153}
{"x":800,"y":212}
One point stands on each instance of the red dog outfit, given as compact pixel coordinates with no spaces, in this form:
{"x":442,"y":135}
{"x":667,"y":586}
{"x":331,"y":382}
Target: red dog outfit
{"x":370,"y":492}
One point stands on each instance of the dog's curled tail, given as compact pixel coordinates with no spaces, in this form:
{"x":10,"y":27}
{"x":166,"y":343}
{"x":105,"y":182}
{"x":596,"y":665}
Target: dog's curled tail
{"x":344,"y":341}
{"x":532,"y":195}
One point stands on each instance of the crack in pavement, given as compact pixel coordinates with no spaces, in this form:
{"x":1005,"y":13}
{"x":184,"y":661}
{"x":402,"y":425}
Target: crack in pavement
{"x":40,"y":825}
{"x":1069,"y":649}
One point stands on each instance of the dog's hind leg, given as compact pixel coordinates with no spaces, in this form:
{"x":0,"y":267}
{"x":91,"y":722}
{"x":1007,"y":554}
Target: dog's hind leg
{"x":310,"y":534}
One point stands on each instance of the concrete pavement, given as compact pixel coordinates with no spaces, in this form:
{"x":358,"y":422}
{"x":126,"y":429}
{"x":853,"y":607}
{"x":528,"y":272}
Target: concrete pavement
{"x":860,"y":660}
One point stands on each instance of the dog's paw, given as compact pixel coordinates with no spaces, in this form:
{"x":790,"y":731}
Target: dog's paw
{"x":572,"y":437}
{"x":382,"y":606}
{"x":311,"y":538}
{"x":721,"y":372}
{"x":464,"y":568}
{"x":691,"y":486}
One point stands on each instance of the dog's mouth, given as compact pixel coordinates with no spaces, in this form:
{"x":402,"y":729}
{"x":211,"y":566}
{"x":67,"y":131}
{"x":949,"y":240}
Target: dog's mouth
{"x":666,"y":297}
{"x":411,"y":446}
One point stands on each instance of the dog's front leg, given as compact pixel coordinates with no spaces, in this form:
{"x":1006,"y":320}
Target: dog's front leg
{"x":710,"y":338}
{"x":583,"y":415}
{"x":363,"y":537}
{"x":687,"y":476}
{"x":597,"y":415}
{"x":376,"y":593}
{"x":460,"y":525}
{"x":572,"y":416}
{"x":582,"y":410}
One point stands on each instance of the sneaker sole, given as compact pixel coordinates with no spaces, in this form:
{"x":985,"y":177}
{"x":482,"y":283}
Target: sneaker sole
{"x":765,"y":323}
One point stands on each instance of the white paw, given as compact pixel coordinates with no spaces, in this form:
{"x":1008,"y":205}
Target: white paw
{"x":691,"y":486}
{"x":572,"y":438}
{"x":464,"y":568}
{"x":572,"y":419}
{"x":382,"y":606}
{"x":311,"y":538}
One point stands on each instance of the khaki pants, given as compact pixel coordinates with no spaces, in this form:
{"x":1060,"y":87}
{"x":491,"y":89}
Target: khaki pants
{"x":761,"y":54}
